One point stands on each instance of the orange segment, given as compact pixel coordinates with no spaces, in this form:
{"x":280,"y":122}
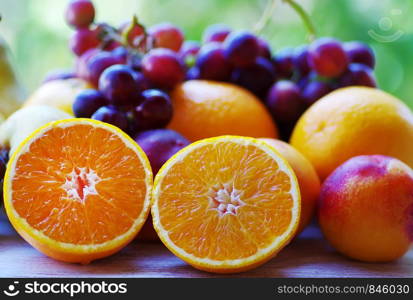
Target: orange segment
{"x":78,"y":189}
{"x":226,"y":204}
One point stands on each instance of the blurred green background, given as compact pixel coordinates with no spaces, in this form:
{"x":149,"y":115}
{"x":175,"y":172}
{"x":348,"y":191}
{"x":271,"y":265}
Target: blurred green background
{"x":38,"y":36}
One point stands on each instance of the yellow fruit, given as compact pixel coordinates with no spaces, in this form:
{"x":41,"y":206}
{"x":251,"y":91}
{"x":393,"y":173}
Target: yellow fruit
{"x":307,"y":179}
{"x":205,"y":109}
{"x":11,"y":93}
{"x":58,"y":93}
{"x":226,"y":204}
{"x":78,"y":189}
{"x":26,"y":120}
{"x":354,"y":121}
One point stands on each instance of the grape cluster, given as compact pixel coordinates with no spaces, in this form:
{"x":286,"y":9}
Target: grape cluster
{"x":132,"y":69}
{"x":289,"y":81}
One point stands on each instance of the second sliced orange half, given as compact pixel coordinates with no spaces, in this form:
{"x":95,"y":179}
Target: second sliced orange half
{"x":226,"y":204}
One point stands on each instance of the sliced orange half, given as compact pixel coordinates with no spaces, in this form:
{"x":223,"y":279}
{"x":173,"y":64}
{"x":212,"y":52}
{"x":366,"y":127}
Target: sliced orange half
{"x":78,"y":189}
{"x":226,"y":204}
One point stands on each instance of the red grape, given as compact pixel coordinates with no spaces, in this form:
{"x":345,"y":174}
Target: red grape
{"x":265,"y":49}
{"x":155,"y":111}
{"x":163,"y":67}
{"x":159,"y":145}
{"x":111,"y":45}
{"x":359,"y":52}
{"x":87,"y":102}
{"x":241,"y":48}
{"x":327,"y":57}
{"x":111,"y":115}
{"x":283,"y":63}
{"x":119,"y":84}
{"x":83,"y":40}
{"x":284,"y":101}
{"x":212,"y":64}
{"x":167,"y":35}
{"x":358,"y":74}
{"x":257,"y":77}
{"x":80,"y":13}
{"x":216,"y":33}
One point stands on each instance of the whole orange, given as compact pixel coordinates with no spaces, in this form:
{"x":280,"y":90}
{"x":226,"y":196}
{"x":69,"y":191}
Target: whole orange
{"x":366,"y":208}
{"x":307,"y":179}
{"x":205,"y":109}
{"x":354,"y":121}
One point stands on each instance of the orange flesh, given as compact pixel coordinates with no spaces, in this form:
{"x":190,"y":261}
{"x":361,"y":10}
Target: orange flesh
{"x":225,"y":201}
{"x":79,"y":185}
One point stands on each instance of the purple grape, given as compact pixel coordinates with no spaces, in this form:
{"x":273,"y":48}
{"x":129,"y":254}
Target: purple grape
{"x":4,"y":158}
{"x":100,"y":62}
{"x":193,"y":73}
{"x":135,"y":61}
{"x":159,"y":145}
{"x":300,"y":60}
{"x":59,"y":75}
{"x":361,"y":53}
{"x":216,"y":33}
{"x":80,"y":13}
{"x":212,"y":64}
{"x":120,"y":53}
{"x":358,"y":74}
{"x":310,"y":77}
{"x":241,"y":48}
{"x":284,"y":101}
{"x":155,"y":111}
{"x":119,"y":84}
{"x":163,"y":67}
{"x":87,"y":102}
{"x":283,"y":63}
{"x":327,"y":57}
{"x":314,"y":90}
{"x":265,"y":49}
{"x":111,"y":115}
{"x":81,"y":63}
{"x":257,"y":78}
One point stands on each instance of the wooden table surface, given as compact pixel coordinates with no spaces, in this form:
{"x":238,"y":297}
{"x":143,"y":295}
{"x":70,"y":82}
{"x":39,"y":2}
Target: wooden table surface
{"x":307,"y":256}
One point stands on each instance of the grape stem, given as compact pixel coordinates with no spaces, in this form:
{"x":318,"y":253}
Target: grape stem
{"x":305,"y":18}
{"x":269,"y":11}
{"x":265,"y":17}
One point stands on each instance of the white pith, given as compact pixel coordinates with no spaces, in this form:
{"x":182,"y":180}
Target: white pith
{"x":72,"y":186}
{"x":226,"y":199}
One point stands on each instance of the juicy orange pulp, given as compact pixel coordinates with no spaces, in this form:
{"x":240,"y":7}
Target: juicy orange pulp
{"x":78,"y":184}
{"x":226,"y":204}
